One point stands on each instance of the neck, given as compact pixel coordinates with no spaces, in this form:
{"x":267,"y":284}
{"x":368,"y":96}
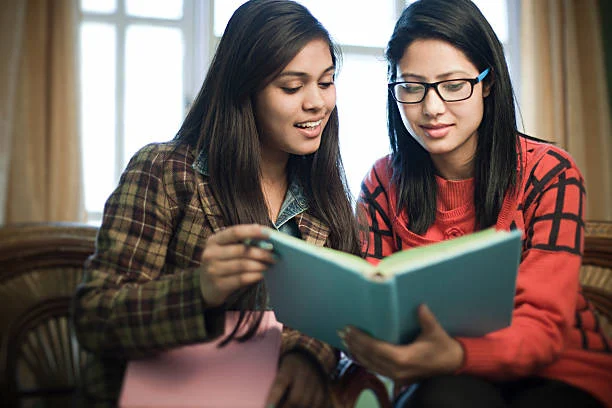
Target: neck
{"x":274,"y":167}
{"x":274,"y":185}
{"x":454,"y":168}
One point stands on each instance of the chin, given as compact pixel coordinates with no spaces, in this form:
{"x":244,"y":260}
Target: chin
{"x":308,"y":148}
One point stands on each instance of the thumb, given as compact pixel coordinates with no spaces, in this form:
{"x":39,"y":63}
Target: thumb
{"x":428,"y":321}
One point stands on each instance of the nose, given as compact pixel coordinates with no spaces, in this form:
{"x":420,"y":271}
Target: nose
{"x":313,"y":98}
{"x":433,"y":104}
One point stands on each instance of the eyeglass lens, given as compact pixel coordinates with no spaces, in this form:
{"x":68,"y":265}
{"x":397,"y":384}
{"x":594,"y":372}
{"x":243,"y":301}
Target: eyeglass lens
{"x":452,"y":90}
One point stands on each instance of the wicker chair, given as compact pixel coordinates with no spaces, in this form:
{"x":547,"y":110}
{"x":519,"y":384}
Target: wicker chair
{"x":40,"y":361}
{"x":40,"y":266}
{"x":596,"y":271}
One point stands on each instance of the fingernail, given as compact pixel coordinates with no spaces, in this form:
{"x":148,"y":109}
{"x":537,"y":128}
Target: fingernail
{"x":344,"y":344}
{"x":270,"y":406}
{"x":267,"y":245}
{"x":341,"y":334}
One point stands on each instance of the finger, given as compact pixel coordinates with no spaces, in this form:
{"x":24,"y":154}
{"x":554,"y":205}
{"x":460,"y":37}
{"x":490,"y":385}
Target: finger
{"x":219,"y":280}
{"x":228,"y":268}
{"x":215,"y":252}
{"x":239,"y":233}
{"x":372,"y":363}
{"x":295,"y":397}
{"x":391,"y":360}
{"x":429,"y":323}
{"x":238,"y":281}
{"x":305,"y":389}
{"x":370,"y":352}
{"x":278,"y":390}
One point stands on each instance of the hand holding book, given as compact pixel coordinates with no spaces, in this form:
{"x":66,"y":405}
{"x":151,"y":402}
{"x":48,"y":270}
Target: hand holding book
{"x":433,"y":352}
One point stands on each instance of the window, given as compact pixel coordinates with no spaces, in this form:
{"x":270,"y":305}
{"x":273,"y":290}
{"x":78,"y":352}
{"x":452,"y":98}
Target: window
{"x":136,"y":65}
{"x":143,"y":61}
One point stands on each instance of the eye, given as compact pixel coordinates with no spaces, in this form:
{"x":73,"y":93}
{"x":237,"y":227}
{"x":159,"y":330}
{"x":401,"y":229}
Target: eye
{"x":326,"y":85}
{"x":454,"y":86}
{"x":290,"y":90}
{"x":411,"y":88}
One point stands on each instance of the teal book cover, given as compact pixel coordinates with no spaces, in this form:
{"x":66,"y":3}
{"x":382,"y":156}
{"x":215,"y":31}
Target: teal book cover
{"x":468,"y":282}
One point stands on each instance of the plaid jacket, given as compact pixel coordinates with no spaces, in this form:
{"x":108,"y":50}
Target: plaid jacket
{"x":140,"y":294}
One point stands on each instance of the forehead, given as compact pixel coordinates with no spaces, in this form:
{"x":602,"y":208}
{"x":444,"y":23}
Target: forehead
{"x":314,"y":58}
{"x":432,"y":57}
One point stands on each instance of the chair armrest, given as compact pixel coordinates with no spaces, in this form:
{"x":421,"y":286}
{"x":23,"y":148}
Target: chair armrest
{"x":354,"y":380}
{"x":600,"y":298}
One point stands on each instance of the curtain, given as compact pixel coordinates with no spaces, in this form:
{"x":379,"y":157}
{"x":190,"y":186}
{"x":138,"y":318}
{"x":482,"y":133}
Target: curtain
{"x":564,"y":94}
{"x":44,"y":171}
{"x":11,"y":26}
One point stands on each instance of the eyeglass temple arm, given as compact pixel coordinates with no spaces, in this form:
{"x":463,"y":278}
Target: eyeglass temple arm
{"x":483,"y":74}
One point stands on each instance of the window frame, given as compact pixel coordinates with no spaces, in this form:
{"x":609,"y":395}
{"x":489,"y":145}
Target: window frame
{"x":200,"y":43}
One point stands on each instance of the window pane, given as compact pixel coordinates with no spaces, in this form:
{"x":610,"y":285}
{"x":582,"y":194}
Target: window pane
{"x":168,"y":9}
{"x":98,"y":82}
{"x":223,"y":11}
{"x":99,"y":6}
{"x":496,"y":12}
{"x":153,"y":85}
{"x":369,"y":24}
{"x":378,"y":17}
{"x":362,"y":101}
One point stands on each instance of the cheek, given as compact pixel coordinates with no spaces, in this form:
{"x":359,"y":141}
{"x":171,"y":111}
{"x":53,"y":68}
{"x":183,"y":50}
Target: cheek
{"x":330,"y":100}
{"x":470,"y":114}
{"x":409,"y":115}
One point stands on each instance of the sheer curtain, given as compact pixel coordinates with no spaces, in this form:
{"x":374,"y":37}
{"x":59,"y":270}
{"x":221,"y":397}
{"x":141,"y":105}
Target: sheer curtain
{"x":44,"y":170}
{"x":564,"y":95}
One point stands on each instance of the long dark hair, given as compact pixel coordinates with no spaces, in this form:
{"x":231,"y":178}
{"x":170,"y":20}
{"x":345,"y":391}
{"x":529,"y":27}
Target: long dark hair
{"x":260,"y":39}
{"x":460,"y":23}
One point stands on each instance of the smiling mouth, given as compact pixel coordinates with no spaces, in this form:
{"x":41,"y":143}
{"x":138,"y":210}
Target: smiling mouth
{"x":309,"y":125}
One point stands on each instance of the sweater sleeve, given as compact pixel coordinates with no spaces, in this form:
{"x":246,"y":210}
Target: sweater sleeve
{"x":373,"y":209}
{"x":548,"y":278}
{"x":132,"y":302}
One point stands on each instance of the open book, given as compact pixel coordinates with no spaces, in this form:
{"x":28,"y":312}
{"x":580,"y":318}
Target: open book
{"x":467,"y":282}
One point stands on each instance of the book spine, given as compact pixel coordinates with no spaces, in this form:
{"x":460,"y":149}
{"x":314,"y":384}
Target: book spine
{"x":383,"y":311}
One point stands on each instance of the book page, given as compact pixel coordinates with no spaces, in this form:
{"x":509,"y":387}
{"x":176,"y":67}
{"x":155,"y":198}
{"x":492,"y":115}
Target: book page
{"x":416,"y":258}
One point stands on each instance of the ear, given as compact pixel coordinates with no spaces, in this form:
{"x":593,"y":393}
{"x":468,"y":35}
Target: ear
{"x":486,"y":87}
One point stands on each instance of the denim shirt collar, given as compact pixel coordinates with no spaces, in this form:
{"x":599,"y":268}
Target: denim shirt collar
{"x":294,"y":203}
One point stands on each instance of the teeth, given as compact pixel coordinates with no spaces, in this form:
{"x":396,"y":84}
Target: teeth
{"x":309,"y":124}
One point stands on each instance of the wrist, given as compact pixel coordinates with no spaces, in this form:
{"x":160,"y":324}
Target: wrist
{"x":457,"y":355}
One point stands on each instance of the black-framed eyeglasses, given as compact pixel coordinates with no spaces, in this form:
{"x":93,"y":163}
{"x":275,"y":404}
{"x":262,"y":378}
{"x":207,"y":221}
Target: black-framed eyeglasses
{"x":451,"y":90}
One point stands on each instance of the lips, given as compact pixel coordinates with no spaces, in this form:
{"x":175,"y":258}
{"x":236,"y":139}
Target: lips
{"x":436,"y":131}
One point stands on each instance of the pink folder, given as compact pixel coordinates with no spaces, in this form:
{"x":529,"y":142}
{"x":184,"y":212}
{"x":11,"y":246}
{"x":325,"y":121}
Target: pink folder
{"x":204,"y":376}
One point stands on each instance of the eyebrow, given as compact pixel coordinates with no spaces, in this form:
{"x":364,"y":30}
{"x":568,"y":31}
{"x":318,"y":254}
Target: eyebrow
{"x":303,"y":74}
{"x":440,"y":77}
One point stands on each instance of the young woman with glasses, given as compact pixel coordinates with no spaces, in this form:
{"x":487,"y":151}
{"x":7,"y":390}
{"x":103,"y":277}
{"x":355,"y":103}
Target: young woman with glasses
{"x":459,"y":164}
{"x":259,"y":147}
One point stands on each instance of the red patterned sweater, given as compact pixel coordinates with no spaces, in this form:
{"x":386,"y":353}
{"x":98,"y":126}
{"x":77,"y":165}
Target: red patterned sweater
{"x":554,"y":331}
